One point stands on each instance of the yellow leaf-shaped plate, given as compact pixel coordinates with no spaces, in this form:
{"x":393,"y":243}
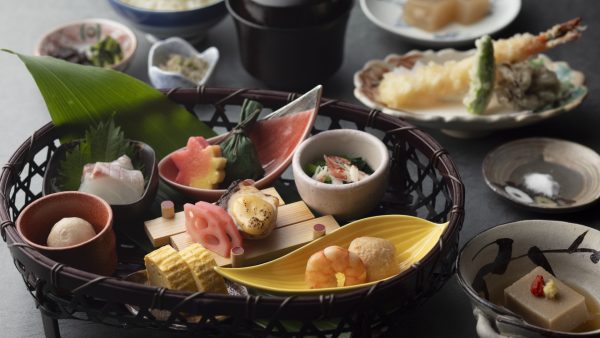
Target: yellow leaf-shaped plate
{"x":413,"y":238}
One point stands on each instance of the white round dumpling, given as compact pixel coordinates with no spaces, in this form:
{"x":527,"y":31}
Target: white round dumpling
{"x":70,"y":231}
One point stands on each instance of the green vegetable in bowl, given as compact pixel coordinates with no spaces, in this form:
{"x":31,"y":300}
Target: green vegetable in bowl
{"x":482,"y":75}
{"x":339,"y":169}
{"x":105,"y":52}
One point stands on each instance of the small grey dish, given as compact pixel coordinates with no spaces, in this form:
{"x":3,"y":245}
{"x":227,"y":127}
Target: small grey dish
{"x":544,"y":174}
{"x":159,"y":54}
{"x":501,"y":255}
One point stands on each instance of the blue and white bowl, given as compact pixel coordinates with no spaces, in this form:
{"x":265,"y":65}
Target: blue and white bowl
{"x":159,"y":54}
{"x":191,"y":25}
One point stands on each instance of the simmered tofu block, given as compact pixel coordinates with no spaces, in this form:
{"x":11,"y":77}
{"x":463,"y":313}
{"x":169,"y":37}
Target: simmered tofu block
{"x":430,"y":15}
{"x":470,"y":11}
{"x":563,"y":312}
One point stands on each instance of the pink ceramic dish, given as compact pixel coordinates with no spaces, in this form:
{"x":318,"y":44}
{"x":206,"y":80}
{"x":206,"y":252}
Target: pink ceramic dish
{"x":84,"y":33}
{"x":275,"y":137}
{"x":96,"y":255}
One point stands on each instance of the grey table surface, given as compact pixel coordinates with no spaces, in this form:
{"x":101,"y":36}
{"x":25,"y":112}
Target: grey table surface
{"x":448,"y":313}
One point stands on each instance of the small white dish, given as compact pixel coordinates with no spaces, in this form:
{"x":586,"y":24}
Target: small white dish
{"x":388,"y":14}
{"x":347,"y":201}
{"x":159,"y":54}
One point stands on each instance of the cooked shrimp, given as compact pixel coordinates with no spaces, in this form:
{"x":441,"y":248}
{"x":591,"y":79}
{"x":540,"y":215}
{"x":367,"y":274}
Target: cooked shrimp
{"x":450,"y":81}
{"x":323,"y":266}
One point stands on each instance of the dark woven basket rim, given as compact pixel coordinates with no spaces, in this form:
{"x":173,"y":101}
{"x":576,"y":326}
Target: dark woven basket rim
{"x":74,"y":279}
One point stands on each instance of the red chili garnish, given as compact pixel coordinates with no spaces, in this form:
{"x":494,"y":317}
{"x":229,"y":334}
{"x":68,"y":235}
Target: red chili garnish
{"x":537,"y":286}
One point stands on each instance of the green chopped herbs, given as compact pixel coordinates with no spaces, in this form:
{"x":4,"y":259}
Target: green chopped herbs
{"x":192,"y":68}
{"x":105,"y":52}
{"x":339,"y":169}
{"x":102,"y":143}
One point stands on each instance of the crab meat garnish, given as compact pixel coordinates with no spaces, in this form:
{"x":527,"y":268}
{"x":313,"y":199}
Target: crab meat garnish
{"x":338,"y":167}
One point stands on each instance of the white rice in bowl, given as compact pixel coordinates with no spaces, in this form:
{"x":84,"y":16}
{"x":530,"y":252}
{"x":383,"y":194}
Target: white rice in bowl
{"x":169,"y":5}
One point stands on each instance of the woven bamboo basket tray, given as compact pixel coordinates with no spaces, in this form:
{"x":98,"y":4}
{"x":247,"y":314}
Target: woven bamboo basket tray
{"x":423,"y":182}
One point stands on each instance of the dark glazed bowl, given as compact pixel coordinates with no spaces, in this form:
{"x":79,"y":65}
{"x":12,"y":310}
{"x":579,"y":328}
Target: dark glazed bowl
{"x":291,"y":13}
{"x":96,"y":255}
{"x":123,"y":213}
{"x":290,"y":58}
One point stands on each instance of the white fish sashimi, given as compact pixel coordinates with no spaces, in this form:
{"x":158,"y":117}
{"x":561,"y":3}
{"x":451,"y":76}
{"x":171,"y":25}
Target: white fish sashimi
{"x":114,"y":182}
{"x":124,"y":161}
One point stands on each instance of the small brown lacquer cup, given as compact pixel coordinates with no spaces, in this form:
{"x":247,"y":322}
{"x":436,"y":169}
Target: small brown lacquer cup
{"x":97,"y":255}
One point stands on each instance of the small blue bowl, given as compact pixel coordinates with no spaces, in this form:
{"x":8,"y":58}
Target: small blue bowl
{"x":191,"y":25}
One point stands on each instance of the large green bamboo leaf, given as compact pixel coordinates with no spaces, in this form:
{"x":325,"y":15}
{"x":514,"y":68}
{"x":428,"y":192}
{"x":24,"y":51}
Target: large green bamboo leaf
{"x":79,"y":96}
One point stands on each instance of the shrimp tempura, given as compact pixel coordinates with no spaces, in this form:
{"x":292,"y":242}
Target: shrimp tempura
{"x":449,"y":81}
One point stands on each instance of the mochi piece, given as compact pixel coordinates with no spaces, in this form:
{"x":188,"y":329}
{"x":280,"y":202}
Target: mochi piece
{"x":471,"y":11}
{"x":566,"y":311}
{"x":430,"y":15}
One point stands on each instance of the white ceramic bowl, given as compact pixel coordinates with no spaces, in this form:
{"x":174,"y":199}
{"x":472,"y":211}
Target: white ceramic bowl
{"x":347,"y":201}
{"x":499,"y":256}
{"x":159,"y":54}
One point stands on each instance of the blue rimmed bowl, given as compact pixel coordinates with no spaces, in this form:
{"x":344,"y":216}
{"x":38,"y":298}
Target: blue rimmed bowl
{"x":191,"y":25}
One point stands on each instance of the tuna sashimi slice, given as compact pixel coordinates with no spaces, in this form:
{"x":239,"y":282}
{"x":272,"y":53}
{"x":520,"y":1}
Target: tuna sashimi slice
{"x":212,"y":227}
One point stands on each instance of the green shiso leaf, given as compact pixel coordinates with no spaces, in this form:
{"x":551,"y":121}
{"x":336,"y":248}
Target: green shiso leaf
{"x":102,"y":143}
{"x":80,"y":96}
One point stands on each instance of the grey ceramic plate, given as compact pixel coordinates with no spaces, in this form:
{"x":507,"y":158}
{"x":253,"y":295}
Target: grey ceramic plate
{"x":544,"y":174}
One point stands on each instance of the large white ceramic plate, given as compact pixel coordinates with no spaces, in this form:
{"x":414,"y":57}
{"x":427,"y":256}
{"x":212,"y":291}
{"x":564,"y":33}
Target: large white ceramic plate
{"x":453,"y":118}
{"x":388,"y":14}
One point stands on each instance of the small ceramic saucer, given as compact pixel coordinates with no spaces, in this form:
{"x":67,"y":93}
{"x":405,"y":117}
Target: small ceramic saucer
{"x":544,"y":174}
{"x":159,"y":54}
{"x":80,"y":35}
{"x":388,"y":14}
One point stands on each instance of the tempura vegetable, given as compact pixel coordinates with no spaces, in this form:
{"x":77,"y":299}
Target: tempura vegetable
{"x":527,"y":85}
{"x":482,"y":77}
{"x":427,"y":83}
